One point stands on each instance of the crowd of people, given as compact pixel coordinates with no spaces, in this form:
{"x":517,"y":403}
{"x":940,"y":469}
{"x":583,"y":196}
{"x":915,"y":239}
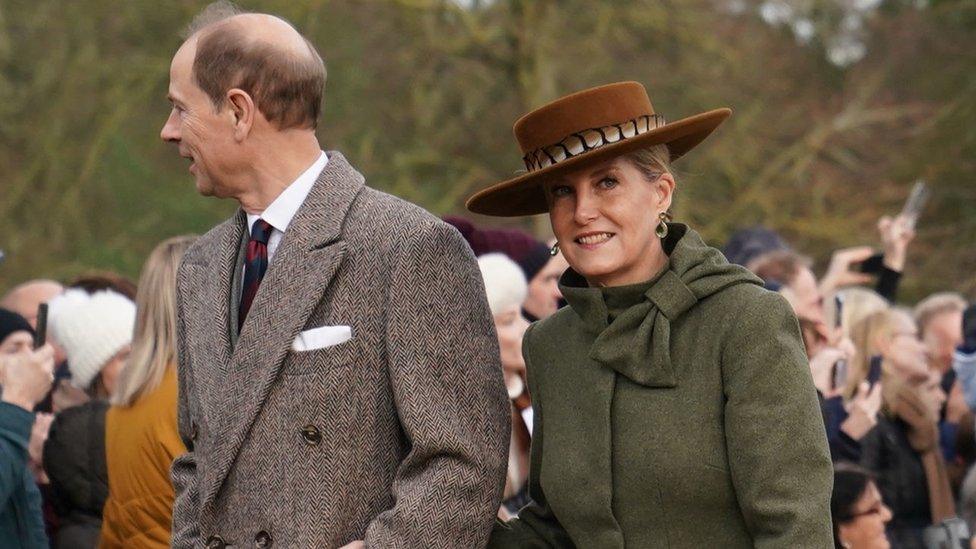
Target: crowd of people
{"x":335,"y":367}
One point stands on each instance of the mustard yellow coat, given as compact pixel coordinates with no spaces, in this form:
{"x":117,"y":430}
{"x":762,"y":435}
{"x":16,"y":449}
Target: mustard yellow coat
{"x":141,"y":442}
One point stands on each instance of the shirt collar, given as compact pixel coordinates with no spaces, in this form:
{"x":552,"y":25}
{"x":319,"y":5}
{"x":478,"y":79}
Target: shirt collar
{"x":280,"y":212}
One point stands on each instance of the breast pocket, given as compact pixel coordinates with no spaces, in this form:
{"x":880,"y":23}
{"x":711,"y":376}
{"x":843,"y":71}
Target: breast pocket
{"x":338,"y":356}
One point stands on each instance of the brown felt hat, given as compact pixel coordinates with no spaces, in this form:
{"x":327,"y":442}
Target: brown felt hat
{"x":586,"y":128}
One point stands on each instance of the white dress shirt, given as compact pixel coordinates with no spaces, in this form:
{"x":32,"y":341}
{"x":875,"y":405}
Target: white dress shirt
{"x":280,"y":212}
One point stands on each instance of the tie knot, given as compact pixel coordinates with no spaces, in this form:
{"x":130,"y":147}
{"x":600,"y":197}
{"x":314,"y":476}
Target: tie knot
{"x":261,"y":231}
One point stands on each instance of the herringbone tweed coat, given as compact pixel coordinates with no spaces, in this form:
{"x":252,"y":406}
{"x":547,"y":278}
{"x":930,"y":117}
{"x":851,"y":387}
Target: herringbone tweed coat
{"x":398,"y":436}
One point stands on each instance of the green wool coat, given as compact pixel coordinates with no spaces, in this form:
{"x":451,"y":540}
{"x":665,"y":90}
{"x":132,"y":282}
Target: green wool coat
{"x":676,"y":413}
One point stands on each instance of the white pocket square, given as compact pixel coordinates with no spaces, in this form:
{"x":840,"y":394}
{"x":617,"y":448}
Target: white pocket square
{"x":322,"y":337}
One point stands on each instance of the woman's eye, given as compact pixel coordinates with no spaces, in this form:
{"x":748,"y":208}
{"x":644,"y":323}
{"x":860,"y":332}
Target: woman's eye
{"x":560,"y":191}
{"x":608,"y":183}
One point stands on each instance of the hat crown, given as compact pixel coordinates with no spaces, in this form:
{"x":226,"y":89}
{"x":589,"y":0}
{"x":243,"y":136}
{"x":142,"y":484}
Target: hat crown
{"x":593,"y":108}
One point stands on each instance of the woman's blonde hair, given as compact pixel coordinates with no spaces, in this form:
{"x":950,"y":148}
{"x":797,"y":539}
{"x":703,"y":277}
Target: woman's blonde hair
{"x":651,"y":162}
{"x":858,"y":304}
{"x":154,"y":340}
{"x":865,"y":334}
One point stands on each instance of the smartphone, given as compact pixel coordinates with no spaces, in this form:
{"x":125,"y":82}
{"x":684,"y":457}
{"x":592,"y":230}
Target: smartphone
{"x":838,"y":311}
{"x":874,"y":371}
{"x":872,"y":265}
{"x":40,"y":332}
{"x":916,"y":201}
{"x":839,"y":374}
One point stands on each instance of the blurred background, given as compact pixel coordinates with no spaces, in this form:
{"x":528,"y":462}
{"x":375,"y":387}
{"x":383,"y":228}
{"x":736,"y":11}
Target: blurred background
{"x":840,"y":105}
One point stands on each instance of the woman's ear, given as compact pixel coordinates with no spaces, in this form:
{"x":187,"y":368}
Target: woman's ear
{"x":664,"y":188}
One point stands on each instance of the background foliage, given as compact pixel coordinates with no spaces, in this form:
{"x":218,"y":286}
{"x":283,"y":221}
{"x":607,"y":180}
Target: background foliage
{"x":839,"y":106}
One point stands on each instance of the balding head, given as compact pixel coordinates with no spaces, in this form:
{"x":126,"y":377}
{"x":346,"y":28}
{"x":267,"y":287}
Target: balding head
{"x":25,"y":298}
{"x":262,"y":55}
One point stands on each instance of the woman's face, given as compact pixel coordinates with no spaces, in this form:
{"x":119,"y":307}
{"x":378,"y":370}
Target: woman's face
{"x":110,"y":373}
{"x":543,"y":296}
{"x":904,"y":351}
{"x":511,"y":326}
{"x":867,"y":529}
{"x":604,"y":219}
{"x":16,"y":342}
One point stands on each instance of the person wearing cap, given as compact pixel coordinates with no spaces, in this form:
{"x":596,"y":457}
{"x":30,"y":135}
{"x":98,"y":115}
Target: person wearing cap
{"x":16,"y":334}
{"x":95,"y":331}
{"x":540,"y":266}
{"x":673,"y":402}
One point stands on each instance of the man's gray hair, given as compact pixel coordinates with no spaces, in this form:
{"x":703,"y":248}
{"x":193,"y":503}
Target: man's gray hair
{"x":213,"y":13}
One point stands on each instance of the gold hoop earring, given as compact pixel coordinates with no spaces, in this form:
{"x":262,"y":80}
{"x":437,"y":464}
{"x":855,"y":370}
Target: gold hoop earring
{"x":662,"y":227}
{"x":554,"y":250}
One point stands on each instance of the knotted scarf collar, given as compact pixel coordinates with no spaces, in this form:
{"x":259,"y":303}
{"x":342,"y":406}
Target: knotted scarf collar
{"x":632,"y":324}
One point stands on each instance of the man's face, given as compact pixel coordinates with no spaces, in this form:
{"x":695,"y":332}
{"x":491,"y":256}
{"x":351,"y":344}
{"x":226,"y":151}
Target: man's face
{"x":203,"y":134}
{"x":943,"y":334}
{"x":542,"y":299}
{"x":805,"y":296}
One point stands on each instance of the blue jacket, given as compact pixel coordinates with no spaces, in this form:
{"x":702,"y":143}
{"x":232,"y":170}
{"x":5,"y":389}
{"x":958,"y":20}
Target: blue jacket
{"x":21,"y":521}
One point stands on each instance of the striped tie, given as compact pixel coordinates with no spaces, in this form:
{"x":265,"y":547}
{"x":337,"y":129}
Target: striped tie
{"x":255,"y":265}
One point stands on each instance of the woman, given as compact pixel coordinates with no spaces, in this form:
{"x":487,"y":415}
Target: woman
{"x":673,"y":401}
{"x":506,"y":289}
{"x":141,"y":440}
{"x":95,"y":331}
{"x":903,"y":449}
{"x":857,"y":509}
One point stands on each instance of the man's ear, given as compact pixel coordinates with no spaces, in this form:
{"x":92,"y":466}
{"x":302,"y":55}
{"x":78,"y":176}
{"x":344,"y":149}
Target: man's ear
{"x":244,"y":110}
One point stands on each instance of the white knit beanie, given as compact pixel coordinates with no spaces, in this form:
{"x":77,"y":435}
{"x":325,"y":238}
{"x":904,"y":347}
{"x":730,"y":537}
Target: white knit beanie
{"x":505,"y":282}
{"x":91,"y":329}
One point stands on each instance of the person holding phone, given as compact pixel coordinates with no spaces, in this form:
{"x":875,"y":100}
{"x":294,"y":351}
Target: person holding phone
{"x":672,"y":397}
{"x":26,"y":378}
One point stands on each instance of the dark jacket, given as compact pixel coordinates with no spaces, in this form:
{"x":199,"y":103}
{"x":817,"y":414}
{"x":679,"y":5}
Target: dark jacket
{"x":74,"y":459}
{"x":680,"y":415}
{"x":21,"y":522}
{"x":886,"y":452}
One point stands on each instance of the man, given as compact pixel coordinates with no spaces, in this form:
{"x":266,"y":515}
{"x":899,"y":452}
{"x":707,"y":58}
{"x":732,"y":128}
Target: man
{"x":339,"y":373}
{"x":939,"y":320}
{"x":24,"y":298}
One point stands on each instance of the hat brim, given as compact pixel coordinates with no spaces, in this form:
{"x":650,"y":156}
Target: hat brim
{"x":524,"y":194}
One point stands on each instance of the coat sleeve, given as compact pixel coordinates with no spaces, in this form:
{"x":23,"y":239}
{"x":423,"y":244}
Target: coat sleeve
{"x":186,"y":527}
{"x":15,"y":431}
{"x":777,"y":447}
{"x":536,"y":527}
{"x":445,"y":375}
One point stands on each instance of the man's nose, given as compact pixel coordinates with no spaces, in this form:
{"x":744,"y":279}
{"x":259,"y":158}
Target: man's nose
{"x":171,"y":129}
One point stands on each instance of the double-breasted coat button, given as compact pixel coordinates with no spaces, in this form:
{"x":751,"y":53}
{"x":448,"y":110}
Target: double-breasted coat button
{"x":262,"y":539}
{"x":216,"y":542}
{"x":312,"y":435}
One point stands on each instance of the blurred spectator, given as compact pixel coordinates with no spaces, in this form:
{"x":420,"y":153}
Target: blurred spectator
{"x":857,"y":304}
{"x":964,"y":359}
{"x":140,"y":429}
{"x":903,"y":448}
{"x":105,"y":280}
{"x":506,"y":288}
{"x":26,"y":378}
{"x":798,"y":283}
{"x":25,"y":298}
{"x":939,"y":319}
{"x":95,"y":331}
{"x":540,"y":268}
{"x":16,"y":334}
{"x":857,"y":509}
{"x":747,"y":244}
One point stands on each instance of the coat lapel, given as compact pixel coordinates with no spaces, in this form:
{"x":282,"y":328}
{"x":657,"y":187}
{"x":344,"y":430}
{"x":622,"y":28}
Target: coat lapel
{"x":210,"y":278}
{"x":307,"y":259}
